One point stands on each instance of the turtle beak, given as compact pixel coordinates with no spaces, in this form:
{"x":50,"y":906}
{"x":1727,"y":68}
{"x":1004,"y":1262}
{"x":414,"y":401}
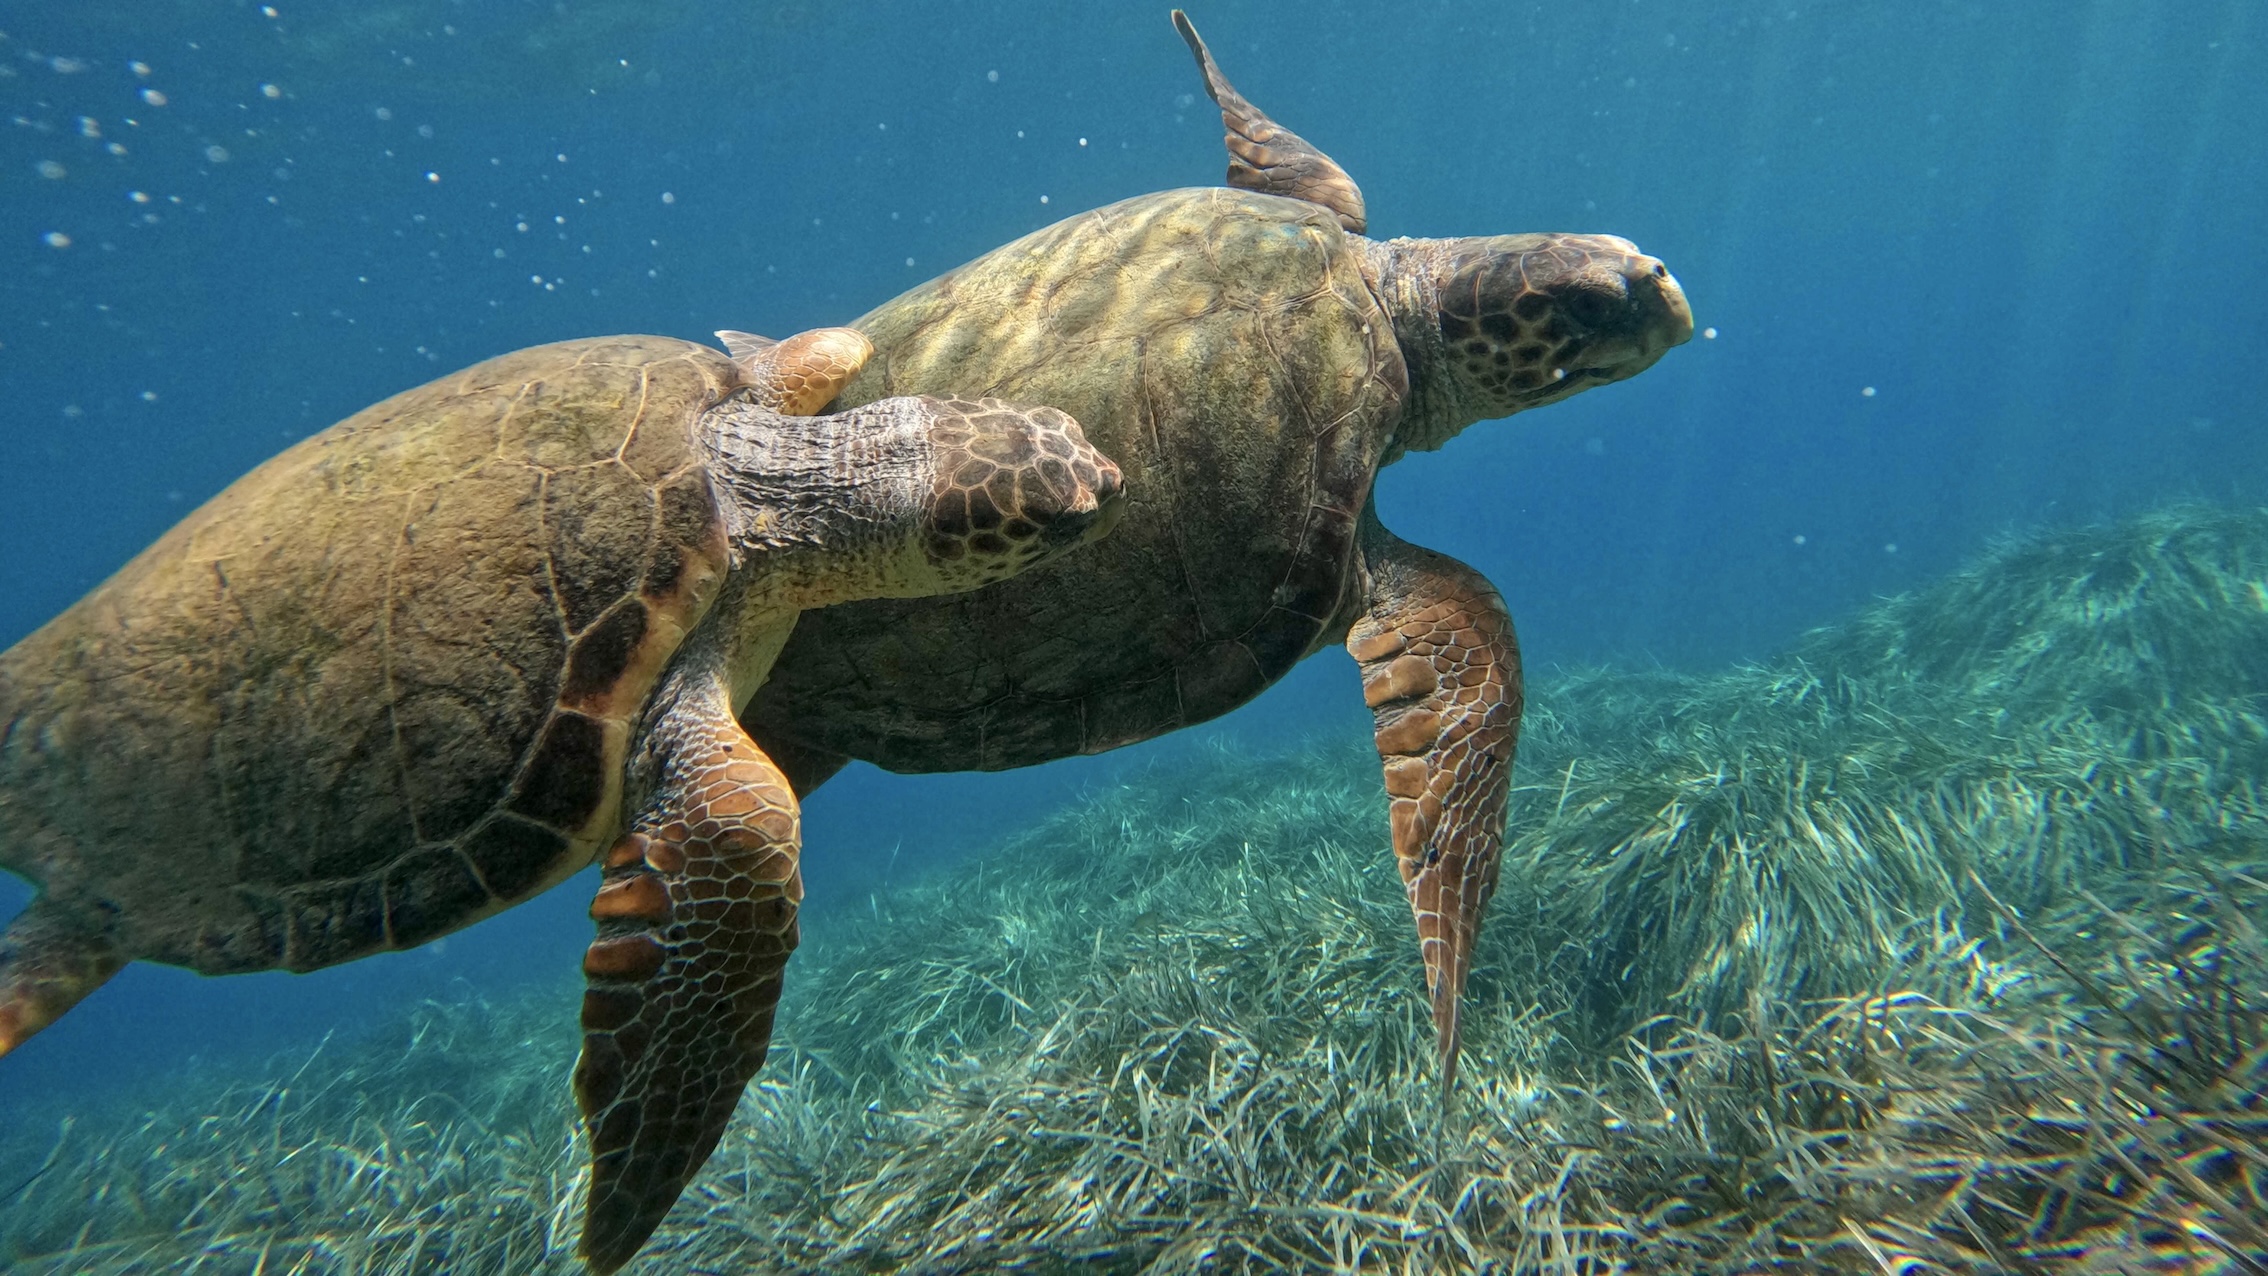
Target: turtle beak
{"x":1653,"y":318}
{"x":1668,"y":319}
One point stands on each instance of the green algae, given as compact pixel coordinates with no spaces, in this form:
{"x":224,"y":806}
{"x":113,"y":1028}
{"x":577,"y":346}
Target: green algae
{"x":1934,"y":946}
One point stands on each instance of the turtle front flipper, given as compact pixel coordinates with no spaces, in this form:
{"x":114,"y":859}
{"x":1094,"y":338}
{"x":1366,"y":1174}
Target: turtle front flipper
{"x":50,"y":958}
{"x":1265,"y":156}
{"x":696,"y":918}
{"x":1441,"y":673}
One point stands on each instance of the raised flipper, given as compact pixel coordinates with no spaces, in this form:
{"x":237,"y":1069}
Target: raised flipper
{"x":1265,"y":156}
{"x":696,"y":918}
{"x":1441,"y":673}
{"x":803,"y":374}
{"x":697,"y":909}
{"x":50,"y":957}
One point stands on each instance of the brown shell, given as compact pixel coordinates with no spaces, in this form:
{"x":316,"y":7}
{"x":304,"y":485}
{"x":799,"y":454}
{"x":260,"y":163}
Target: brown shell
{"x":1224,"y":348}
{"x":382,"y":685}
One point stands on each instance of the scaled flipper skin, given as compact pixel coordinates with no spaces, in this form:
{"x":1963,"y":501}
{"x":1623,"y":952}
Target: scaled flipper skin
{"x":1441,"y":674}
{"x":696,"y":919}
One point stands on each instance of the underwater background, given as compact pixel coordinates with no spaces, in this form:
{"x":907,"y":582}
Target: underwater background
{"x":1985,"y":292}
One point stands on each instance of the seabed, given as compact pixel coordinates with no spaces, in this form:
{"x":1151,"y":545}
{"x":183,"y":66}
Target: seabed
{"x":1936,"y":945}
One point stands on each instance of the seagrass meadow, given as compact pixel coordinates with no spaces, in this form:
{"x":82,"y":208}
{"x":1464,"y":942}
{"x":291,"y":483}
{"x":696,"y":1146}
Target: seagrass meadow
{"x":1938,"y":944}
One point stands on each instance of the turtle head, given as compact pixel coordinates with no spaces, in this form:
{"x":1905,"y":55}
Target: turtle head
{"x":1510,"y":322}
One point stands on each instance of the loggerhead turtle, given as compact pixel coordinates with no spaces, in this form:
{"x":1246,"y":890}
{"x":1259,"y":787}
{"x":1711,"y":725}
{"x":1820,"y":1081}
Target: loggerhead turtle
{"x":448,"y":652}
{"x":1250,"y":360}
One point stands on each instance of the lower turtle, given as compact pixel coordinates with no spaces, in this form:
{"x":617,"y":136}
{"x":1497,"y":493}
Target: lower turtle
{"x":1251,"y":360}
{"x":443,"y":655}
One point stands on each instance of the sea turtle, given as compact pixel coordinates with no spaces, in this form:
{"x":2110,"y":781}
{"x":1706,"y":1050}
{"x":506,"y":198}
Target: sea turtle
{"x":448,"y":652}
{"x":1250,"y":360}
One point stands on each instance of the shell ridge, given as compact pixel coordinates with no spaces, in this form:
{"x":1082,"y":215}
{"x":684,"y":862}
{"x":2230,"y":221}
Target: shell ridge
{"x":504,"y":420}
{"x":386,"y":663}
{"x":550,"y":557}
{"x":1148,"y":410}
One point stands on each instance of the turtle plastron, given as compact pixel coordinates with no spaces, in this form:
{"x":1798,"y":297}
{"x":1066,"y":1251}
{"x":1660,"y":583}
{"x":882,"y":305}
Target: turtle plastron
{"x":1441,"y":674}
{"x":696,"y":918}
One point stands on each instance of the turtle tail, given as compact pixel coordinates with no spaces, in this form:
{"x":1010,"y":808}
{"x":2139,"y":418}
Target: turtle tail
{"x":50,"y":958}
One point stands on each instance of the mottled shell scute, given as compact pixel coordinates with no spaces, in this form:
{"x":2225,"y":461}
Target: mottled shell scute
{"x":596,"y":537}
{"x":382,"y":685}
{"x":470,"y":548}
{"x":513,"y":856}
{"x":565,"y":778}
{"x":1227,"y":350}
{"x":427,"y":892}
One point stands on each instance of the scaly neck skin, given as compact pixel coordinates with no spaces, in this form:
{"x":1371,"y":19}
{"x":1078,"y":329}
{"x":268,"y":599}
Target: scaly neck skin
{"x":1406,"y":275}
{"x":819,"y":510}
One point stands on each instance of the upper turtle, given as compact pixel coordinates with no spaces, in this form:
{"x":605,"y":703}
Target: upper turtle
{"x":1251,"y":360}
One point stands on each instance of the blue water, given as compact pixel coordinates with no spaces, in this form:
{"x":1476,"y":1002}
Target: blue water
{"x":1969,"y":268}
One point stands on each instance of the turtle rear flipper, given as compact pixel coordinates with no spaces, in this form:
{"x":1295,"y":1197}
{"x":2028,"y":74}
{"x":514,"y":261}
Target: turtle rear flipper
{"x":50,"y":957}
{"x":1265,"y":156}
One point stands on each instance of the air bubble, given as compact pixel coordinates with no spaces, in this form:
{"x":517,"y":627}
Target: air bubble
{"x":1708,"y":334}
{"x":153,"y":97}
{"x":669,"y":197}
{"x":270,"y":91}
{"x":1868,"y":392}
{"x":56,"y":239}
